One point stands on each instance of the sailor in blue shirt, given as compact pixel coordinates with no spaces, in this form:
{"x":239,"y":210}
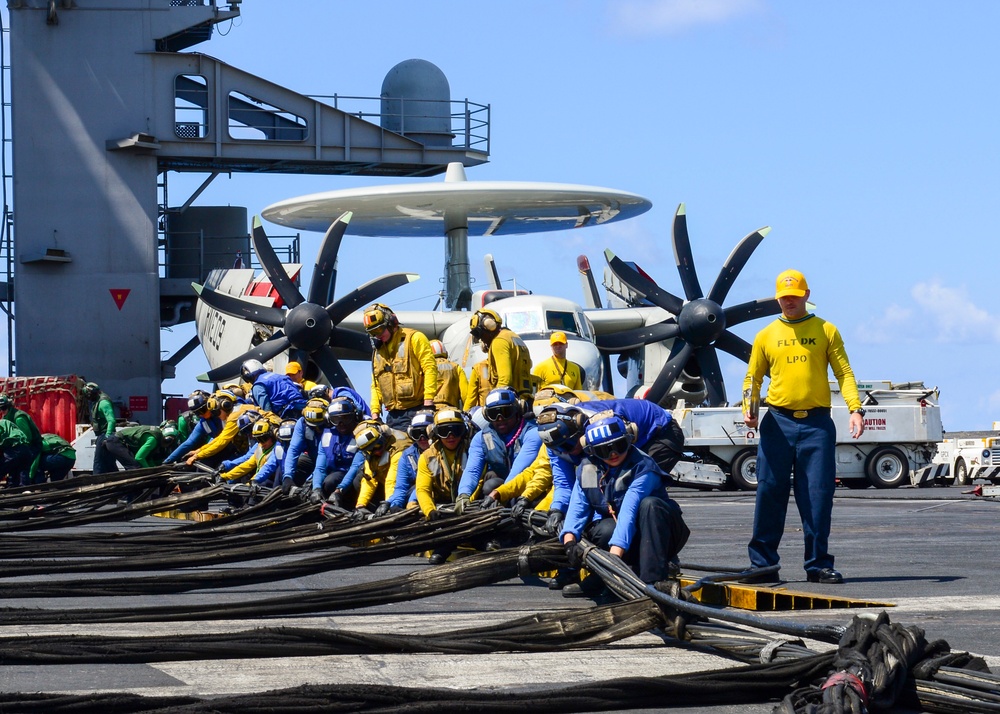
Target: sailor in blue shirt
{"x":338,"y":457}
{"x":504,"y":448}
{"x":620,"y":503}
{"x":272,"y":392}
{"x":208,"y":427}
{"x":303,"y":449}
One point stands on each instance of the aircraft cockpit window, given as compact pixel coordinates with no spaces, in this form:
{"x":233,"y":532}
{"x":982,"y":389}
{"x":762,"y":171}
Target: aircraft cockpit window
{"x":523,"y":322}
{"x":561,"y":321}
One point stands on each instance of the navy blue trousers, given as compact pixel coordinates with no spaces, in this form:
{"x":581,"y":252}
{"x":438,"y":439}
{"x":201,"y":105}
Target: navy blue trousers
{"x":807,"y":447}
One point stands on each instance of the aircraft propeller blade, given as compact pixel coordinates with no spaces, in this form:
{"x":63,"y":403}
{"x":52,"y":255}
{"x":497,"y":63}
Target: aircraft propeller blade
{"x":638,"y":336}
{"x":263,"y":352}
{"x":698,"y":325}
{"x":735,"y":345}
{"x":680,"y":353}
{"x":367,"y":293}
{"x":734,"y":264}
{"x":273,"y":268}
{"x":683,"y":256}
{"x":641,"y":284}
{"x":275,"y":317}
{"x":745,"y":311}
{"x":350,"y":341}
{"x":711,"y":372}
{"x":324,"y":279}
{"x":331,"y":368}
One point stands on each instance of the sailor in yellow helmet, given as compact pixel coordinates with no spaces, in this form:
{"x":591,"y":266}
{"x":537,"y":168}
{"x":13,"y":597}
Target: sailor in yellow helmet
{"x":557,"y":369}
{"x":509,"y":359}
{"x":452,"y":382}
{"x":404,"y":372}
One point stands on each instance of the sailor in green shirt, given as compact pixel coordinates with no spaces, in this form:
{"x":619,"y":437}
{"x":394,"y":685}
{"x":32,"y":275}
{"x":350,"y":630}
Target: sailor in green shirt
{"x":138,"y":447}
{"x":55,"y":460}
{"x":15,"y":453}
{"x":27,"y":425}
{"x":102,"y":419}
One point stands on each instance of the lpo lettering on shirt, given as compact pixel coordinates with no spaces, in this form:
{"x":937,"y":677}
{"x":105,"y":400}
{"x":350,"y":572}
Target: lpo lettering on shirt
{"x":792,"y":359}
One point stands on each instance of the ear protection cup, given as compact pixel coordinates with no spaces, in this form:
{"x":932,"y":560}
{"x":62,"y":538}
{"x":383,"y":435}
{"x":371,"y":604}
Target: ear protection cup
{"x":484,"y":322}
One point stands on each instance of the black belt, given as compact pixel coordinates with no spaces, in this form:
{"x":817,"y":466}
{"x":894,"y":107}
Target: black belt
{"x":798,"y":413}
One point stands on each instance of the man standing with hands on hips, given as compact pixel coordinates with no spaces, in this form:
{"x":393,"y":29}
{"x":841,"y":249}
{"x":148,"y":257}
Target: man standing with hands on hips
{"x":797,"y":350}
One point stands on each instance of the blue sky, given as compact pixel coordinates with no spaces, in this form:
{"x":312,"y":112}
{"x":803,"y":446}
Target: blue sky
{"x":865,"y":134}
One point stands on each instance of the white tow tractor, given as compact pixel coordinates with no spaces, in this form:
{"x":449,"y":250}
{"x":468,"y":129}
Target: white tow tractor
{"x":902,"y":430}
{"x":966,"y":456}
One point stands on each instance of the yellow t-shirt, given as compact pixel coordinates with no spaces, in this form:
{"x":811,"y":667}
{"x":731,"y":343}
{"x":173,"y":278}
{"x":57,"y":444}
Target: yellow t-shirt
{"x":551,"y":371}
{"x":798,"y":355}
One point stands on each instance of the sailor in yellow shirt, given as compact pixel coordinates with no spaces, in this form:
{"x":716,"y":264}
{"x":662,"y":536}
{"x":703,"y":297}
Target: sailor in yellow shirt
{"x":557,"y":369}
{"x":797,"y":351}
{"x":452,"y":382}
{"x":440,"y":468}
{"x":479,"y":386}
{"x":294,"y":372}
{"x":404,"y":373}
{"x":382,"y":451}
{"x":509,"y":358}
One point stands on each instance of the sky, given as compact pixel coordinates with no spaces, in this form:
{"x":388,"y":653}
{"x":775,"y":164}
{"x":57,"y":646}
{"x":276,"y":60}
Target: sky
{"x":864,"y":134}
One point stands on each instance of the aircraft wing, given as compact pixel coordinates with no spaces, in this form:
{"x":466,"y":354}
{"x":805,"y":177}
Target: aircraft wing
{"x":607,"y":321}
{"x":432,"y":323}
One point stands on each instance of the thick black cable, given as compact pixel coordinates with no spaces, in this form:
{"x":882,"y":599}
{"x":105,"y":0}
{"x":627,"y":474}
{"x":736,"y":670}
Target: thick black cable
{"x":540,"y":632}
{"x":418,"y":536}
{"x":470,"y":572}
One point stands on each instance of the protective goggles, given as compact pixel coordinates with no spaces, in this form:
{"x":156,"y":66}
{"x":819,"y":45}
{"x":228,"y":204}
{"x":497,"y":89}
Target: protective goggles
{"x":610,"y":448}
{"x":446,"y":430}
{"x":417,"y":432}
{"x":504,"y":411}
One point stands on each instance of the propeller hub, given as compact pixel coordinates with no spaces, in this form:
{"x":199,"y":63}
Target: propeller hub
{"x":308,"y":326}
{"x":702,"y":322}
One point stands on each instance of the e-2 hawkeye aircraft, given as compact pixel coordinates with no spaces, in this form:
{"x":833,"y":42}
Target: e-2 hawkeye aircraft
{"x":666,"y":344}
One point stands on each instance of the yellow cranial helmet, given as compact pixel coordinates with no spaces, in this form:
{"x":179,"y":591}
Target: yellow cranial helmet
{"x":370,"y":435}
{"x":379,"y":317}
{"x":314,"y":412}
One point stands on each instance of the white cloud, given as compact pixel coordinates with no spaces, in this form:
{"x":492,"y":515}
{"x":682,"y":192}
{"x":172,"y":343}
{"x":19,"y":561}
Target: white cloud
{"x":942,"y":314}
{"x":652,"y":17}
{"x":954,"y":315}
{"x":886,"y":327}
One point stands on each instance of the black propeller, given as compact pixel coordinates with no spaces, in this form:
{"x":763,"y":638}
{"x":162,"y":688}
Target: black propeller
{"x":306,"y":325}
{"x":697,"y":324}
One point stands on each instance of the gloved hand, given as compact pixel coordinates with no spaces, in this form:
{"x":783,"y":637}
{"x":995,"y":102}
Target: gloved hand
{"x":360,"y":514}
{"x":433,"y":515}
{"x":461,"y":503}
{"x":226,"y":465}
{"x":489,"y":502}
{"x":382,"y":509}
{"x":286,"y":486}
{"x":316,"y":495}
{"x":253,"y":489}
{"x":554,"y":523}
{"x":519,"y":506}
{"x":574,"y":554}
{"x":334,"y":498}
